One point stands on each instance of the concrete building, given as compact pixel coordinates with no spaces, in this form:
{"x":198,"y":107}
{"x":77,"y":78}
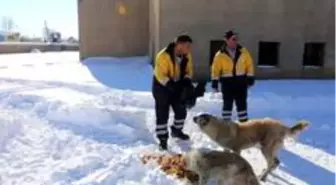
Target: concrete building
{"x":2,"y":37}
{"x":113,"y":27}
{"x":9,"y":36}
{"x":294,"y":39}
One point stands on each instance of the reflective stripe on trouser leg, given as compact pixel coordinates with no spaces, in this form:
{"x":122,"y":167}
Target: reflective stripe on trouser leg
{"x":180,"y":115}
{"x":241,"y":103}
{"x":242,"y":116}
{"x":161,"y":131}
{"x":162,"y":114}
{"x":227,"y":103}
{"x":226,"y":114}
{"x":178,"y":123}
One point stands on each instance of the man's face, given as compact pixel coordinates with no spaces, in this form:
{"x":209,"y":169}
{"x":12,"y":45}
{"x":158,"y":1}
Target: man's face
{"x":183,"y":48}
{"x":232,"y":42}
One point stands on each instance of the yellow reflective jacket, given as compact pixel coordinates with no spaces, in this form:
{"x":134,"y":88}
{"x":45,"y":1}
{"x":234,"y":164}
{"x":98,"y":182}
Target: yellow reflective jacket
{"x":166,"y":69}
{"x":224,"y":66}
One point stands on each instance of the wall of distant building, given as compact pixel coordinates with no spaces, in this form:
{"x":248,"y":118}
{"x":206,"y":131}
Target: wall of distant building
{"x":113,"y":28}
{"x":2,"y":38}
{"x":287,"y":39}
{"x":26,"y":47}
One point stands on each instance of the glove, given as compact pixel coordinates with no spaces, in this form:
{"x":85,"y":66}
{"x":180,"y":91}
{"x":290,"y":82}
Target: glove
{"x":200,"y":89}
{"x":186,"y":82}
{"x":250,"y":81}
{"x":190,"y":103}
{"x":175,"y":89}
{"x":188,"y":98}
{"x":186,"y":93}
{"x":171,"y":86}
{"x":214,"y":85}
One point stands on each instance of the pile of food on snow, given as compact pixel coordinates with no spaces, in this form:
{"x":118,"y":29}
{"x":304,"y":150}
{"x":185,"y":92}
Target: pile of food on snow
{"x":172,"y":165}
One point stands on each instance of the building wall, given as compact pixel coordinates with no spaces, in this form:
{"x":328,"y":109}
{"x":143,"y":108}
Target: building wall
{"x":113,"y":27}
{"x":149,"y":25}
{"x":2,"y":38}
{"x":292,"y":23}
{"x":27,"y":47}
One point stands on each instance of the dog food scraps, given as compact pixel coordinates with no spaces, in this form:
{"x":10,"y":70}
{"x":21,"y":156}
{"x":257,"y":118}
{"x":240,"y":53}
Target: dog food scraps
{"x":172,"y":165}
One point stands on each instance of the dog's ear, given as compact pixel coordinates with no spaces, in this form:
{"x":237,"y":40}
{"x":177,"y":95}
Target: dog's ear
{"x":206,"y":117}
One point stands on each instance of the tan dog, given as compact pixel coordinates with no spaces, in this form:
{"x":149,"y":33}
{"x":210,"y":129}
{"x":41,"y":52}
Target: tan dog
{"x":269,"y":133}
{"x":227,"y":167}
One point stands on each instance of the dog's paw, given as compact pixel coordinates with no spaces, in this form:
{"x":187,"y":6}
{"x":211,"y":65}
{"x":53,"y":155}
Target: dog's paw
{"x":263,"y":176}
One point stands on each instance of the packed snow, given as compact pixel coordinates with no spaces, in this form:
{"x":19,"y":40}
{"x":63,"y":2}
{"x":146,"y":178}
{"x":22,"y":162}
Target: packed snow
{"x":65,"y":122}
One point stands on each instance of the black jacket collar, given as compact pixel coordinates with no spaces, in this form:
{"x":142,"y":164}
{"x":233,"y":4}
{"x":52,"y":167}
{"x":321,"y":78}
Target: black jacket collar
{"x":238,"y":51}
{"x":224,"y":50}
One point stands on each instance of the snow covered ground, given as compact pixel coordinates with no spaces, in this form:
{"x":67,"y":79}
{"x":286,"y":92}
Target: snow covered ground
{"x":63,"y":122}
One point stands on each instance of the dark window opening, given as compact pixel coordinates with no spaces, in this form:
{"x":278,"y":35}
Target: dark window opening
{"x":313,"y":54}
{"x":268,"y":53}
{"x":215,"y":45}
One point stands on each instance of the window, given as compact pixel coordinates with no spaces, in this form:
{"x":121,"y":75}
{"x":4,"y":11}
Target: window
{"x":215,"y":45}
{"x":313,"y":54}
{"x":268,"y":53}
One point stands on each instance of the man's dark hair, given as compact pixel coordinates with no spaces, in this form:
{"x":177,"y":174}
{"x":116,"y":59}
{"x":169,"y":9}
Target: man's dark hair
{"x":183,"y":39}
{"x":229,"y":34}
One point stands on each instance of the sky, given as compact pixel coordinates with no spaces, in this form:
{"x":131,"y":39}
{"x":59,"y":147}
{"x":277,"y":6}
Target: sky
{"x":29,"y":16}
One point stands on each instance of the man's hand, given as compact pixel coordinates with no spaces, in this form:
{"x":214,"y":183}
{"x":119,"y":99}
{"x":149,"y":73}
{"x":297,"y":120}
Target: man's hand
{"x":186,"y":82}
{"x":186,"y":96}
{"x":200,"y":89}
{"x":171,"y":86}
{"x":250,"y":81}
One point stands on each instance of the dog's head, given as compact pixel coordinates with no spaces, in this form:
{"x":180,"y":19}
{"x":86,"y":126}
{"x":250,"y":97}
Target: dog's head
{"x":202,"y":120}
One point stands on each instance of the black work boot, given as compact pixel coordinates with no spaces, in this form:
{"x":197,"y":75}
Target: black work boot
{"x":177,"y":133}
{"x":163,"y":144}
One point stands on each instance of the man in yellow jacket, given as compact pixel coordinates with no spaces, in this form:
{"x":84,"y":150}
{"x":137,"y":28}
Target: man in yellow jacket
{"x":233,"y":68}
{"x":172,"y":73}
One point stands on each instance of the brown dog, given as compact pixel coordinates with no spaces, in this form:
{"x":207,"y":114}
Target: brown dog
{"x":269,"y":133}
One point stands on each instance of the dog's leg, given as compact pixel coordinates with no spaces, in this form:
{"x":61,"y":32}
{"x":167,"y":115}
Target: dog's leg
{"x":251,"y":179}
{"x":244,"y":179}
{"x":272,"y":161}
{"x":265,"y":174}
{"x":221,"y":181}
{"x":203,"y":179}
{"x":270,"y":169}
{"x":276,"y":163}
{"x":267,"y":152}
{"x":236,"y":149}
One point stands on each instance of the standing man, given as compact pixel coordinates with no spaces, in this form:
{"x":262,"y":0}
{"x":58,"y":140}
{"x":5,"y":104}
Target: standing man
{"x":172,"y":73}
{"x":233,"y":67}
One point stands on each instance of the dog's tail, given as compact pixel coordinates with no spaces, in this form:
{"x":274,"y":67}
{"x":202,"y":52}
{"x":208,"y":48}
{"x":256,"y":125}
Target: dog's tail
{"x":298,"y":127}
